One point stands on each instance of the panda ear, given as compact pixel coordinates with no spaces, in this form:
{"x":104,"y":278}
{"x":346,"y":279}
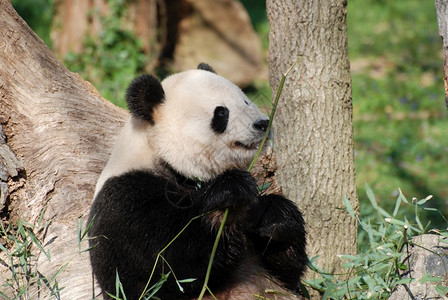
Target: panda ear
{"x":143,"y":95}
{"x":205,"y":67}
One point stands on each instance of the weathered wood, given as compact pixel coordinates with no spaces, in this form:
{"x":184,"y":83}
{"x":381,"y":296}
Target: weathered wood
{"x":10,"y":167}
{"x":442,"y":20}
{"x":313,"y":125}
{"x":62,"y":131}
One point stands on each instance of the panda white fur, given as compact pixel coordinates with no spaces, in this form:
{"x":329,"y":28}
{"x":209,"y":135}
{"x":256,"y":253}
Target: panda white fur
{"x":182,"y":154}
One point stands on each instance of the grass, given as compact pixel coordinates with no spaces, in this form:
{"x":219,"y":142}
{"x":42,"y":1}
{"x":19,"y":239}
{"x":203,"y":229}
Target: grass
{"x":400,"y":118}
{"x":20,"y":248}
{"x":371,"y":274}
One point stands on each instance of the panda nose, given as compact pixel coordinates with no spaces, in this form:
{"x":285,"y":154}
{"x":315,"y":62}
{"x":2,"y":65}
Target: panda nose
{"x":262,"y":125}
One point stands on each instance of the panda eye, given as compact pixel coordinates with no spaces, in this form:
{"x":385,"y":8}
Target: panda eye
{"x":220,"y":119}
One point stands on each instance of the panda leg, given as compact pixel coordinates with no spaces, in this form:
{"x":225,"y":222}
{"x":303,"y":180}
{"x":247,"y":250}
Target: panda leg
{"x":280,"y":239}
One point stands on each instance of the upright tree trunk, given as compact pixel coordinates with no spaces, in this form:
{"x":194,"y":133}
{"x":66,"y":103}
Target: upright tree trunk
{"x":313,"y":125}
{"x":442,"y":20}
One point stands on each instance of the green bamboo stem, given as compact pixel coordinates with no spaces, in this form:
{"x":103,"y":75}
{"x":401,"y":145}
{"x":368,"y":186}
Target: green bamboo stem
{"x":212,"y":255}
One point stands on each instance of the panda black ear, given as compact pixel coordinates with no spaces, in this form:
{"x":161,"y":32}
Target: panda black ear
{"x":143,"y":94}
{"x":205,"y":67}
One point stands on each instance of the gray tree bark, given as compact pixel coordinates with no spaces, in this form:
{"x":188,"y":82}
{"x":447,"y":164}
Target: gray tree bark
{"x":442,"y":20}
{"x":313,"y":125}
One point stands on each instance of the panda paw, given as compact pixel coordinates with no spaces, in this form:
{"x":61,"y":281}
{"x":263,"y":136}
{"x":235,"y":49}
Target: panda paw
{"x":236,"y":190}
{"x":277,"y":218}
{"x":280,"y":239}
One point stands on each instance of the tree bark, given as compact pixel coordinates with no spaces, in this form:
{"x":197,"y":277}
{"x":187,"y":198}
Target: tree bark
{"x":62,"y":131}
{"x":442,"y":20}
{"x":313,"y":125}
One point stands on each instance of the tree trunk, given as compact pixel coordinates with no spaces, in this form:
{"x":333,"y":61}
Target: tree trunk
{"x":442,"y":20}
{"x":62,"y":130}
{"x":313,"y":125}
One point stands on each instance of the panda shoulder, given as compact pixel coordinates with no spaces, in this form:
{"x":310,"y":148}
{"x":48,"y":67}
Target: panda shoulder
{"x":132,"y":186}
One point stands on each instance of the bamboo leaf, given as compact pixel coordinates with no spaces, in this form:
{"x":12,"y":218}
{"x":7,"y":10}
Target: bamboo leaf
{"x":349,"y":207}
{"x":429,"y":278}
{"x":397,"y":205}
{"x":38,"y":244}
{"x":423,"y":201}
{"x":156,"y":287}
{"x":441,"y":290}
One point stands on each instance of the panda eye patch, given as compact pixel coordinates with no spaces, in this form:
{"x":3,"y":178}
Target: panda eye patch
{"x":220,"y":119}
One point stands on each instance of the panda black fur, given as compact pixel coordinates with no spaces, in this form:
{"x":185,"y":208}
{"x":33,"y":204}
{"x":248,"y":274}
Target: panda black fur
{"x":182,"y":155}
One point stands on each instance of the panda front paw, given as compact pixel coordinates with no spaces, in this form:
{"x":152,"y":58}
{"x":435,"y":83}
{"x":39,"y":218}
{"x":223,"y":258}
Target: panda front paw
{"x":276,"y":218}
{"x":235,"y":189}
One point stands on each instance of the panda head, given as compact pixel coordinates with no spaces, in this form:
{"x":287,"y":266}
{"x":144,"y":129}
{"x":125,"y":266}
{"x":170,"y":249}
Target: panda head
{"x":197,"y":122}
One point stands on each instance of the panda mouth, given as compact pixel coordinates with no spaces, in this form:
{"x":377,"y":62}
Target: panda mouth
{"x":252,"y":146}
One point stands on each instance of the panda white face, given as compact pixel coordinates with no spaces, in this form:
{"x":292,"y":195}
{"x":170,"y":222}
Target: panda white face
{"x":206,"y":125}
{"x":196,"y":121}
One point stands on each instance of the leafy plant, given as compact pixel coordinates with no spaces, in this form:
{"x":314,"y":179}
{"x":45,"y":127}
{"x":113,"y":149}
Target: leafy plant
{"x":383,"y":240}
{"x":21,"y":246}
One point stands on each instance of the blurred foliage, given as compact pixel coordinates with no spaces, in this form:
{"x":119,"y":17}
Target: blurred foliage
{"x":400,"y":119}
{"x":257,"y":12}
{"x":111,"y":60}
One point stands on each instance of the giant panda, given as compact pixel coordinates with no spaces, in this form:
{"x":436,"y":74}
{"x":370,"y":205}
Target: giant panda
{"x":181,"y":159}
